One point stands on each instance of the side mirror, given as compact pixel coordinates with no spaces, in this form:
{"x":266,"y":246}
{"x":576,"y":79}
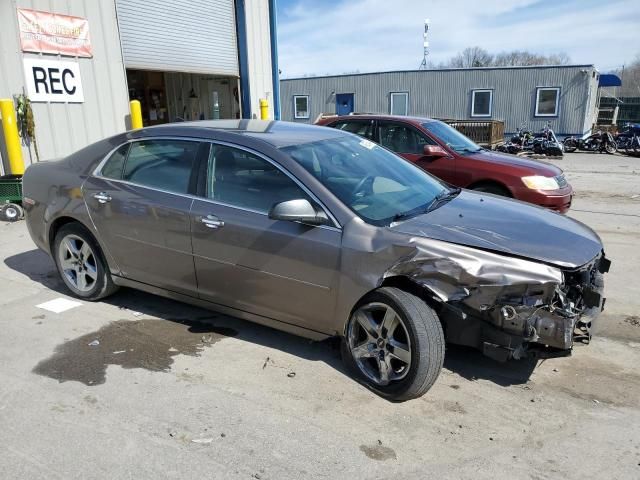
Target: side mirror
{"x":434,"y":151}
{"x":299,"y":210}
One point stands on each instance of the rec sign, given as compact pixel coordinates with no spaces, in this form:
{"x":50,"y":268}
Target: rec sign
{"x":53,"y":81}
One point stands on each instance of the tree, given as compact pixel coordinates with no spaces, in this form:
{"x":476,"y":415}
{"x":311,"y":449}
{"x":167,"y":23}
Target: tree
{"x":471,"y":57}
{"x":479,"y":57}
{"x":630,"y":77}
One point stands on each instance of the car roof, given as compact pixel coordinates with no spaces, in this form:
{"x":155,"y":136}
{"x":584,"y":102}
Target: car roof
{"x":276,"y":133}
{"x":375,"y":116}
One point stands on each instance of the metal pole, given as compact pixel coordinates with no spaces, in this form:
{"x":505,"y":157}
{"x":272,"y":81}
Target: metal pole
{"x":11,"y":136}
{"x":264,"y":109}
{"x":136,"y":114}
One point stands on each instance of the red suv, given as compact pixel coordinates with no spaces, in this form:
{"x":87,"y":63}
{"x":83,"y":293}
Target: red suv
{"x":449,"y":155}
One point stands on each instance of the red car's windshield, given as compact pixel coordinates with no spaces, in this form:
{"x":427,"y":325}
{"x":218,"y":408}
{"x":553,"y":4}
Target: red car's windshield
{"x":451,"y":137}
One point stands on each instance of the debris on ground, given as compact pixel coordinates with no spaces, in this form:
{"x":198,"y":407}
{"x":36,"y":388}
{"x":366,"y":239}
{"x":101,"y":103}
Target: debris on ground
{"x":202,"y":440}
{"x":291,"y":374}
{"x":94,"y":343}
{"x":264,"y":365}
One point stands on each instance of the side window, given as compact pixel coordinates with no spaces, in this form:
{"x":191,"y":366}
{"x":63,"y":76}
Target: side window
{"x":241,"y":179}
{"x":402,"y":138}
{"x":163,"y":164}
{"x":547,"y":100}
{"x":114,"y":166}
{"x":362,"y":128}
{"x":301,"y":106}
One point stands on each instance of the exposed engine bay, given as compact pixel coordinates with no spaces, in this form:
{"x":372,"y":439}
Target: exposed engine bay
{"x":509,"y":307}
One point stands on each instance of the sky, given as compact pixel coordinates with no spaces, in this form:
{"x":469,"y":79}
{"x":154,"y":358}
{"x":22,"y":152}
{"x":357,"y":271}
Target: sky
{"x":320,"y":37}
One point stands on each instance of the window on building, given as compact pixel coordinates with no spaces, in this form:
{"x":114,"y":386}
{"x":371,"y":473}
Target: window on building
{"x":399,"y":103}
{"x":163,"y":164}
{"x":362,"y":128}
{"x":401,"y":138}
{"x":301,"y":106}
{"x":481,"y":101}
{"x":244,"y":180}
{"x":547,"y":99}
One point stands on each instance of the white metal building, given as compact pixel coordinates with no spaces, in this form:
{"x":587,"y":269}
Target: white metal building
{"x":183,"y":59}
{"x":565,"y":95}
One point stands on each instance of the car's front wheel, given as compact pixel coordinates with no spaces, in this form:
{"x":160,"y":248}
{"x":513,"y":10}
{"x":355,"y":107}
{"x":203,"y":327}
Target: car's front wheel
{"x":81,"y":264}
{"x":394,"y":342}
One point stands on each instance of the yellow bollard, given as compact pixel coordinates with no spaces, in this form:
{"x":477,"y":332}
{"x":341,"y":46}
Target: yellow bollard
{"x":11,"y":137}
{"x":264,"y":109}
{"x":136,"y":114}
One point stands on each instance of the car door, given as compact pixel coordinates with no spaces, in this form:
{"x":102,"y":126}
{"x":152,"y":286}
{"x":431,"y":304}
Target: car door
{"x":408,"y":142}
{"x":243,"y":259}
{"x":140,"y":205}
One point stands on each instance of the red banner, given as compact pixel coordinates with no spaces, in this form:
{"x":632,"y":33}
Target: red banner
{"x":45,"y":32}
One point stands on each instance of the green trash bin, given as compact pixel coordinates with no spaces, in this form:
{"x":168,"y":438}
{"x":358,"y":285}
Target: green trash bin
{"x":11,"y":198}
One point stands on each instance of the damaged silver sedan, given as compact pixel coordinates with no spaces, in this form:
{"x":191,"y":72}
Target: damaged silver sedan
{"x":319,"y":233}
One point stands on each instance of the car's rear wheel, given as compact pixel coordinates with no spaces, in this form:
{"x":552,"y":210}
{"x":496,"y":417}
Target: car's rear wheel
{"x":394,"y":343}
{"x":81,"y":264}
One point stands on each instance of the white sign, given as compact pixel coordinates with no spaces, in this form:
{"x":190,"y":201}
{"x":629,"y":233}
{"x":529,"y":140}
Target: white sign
{"x":53,"y":81}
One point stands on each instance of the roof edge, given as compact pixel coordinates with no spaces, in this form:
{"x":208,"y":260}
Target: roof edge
{"x":515,"y":67}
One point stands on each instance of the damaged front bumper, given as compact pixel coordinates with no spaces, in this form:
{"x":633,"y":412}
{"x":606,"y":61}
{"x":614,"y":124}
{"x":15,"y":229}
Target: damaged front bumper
{"x":531,"y":321}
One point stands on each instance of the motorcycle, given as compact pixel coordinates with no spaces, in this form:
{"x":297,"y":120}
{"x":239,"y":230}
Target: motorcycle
{"x":545,"y":142}
{"x":628,"y":140}
{"x":596,"y":142}
{"x":541,"y":143}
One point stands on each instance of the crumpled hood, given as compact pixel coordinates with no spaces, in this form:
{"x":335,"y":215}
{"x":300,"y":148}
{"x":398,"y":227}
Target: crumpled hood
{"x":507,"y":226}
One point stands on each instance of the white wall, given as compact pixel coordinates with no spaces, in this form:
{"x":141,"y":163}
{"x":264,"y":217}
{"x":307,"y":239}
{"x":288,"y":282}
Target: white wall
{"x":64,"y":128}
{"x":259,"y":53}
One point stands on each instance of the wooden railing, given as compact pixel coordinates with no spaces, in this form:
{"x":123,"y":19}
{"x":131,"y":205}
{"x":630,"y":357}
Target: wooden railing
{"x":487,"y":133}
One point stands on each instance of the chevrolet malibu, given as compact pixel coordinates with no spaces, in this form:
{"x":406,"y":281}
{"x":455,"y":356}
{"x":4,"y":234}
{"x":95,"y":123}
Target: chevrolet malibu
{"x":320,"y":233}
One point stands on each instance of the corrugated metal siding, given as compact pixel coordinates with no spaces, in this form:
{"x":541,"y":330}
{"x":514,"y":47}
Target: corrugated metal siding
{"x":447,"y":94}
{"x":197,"y":36}
{"x":64,"y":128}
{"x":259,"y":52}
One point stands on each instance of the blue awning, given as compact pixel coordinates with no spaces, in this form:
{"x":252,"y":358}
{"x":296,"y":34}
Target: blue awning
{"x":609,"y":80}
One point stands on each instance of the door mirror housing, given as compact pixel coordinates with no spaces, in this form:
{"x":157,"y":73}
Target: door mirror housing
{"x":298,"y":210}
{"x":434,"y":151}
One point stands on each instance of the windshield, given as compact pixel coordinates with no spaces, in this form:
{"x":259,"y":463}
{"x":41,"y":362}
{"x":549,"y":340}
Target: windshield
{"x":377,"y":185}
{"x":452,"y":137}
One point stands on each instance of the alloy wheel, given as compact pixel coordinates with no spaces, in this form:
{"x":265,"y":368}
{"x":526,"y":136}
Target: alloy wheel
{"x":379,"y":343}
{"x":78,"y":263}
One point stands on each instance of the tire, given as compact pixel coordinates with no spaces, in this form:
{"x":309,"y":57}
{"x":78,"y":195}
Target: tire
{"x":412,"y":349}
{"x":81,"y":264}
{"x":11,"y":212}
{"x":610,"y":148}
{"x":570,"y":146}
{"x":492,"y":188}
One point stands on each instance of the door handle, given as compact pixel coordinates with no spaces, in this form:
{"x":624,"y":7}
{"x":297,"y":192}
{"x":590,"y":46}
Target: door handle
{"x":211,"y":221}
{"x":102,"y":197}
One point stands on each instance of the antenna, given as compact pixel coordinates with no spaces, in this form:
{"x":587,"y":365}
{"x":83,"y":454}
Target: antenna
{"x":423,"y":65}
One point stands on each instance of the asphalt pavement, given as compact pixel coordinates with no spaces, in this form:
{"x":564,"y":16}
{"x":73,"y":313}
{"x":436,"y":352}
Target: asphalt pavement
{"x":141,"y":387}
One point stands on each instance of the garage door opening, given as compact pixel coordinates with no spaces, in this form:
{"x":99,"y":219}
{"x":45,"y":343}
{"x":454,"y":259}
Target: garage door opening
{"x":179,"y":96}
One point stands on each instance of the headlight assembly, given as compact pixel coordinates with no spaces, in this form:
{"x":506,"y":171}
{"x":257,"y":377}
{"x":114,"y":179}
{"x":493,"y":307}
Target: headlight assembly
{"x":538,"y":182}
